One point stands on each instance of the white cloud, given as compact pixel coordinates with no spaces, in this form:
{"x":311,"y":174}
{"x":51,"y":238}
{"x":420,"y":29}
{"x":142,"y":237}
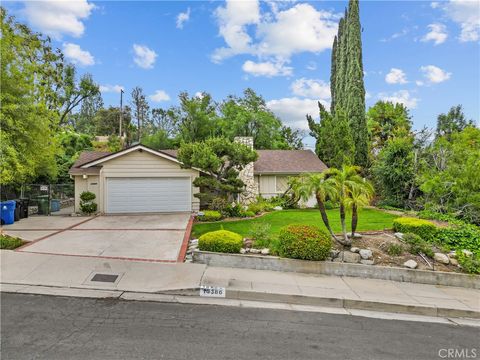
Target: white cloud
{"x":144,"y":56}
{"x":434,"y":74}
{"x":419,"y":83}
{"x":402,"y":97}
{"x":396,"y":76}
{"x":292,"y":111}
{"x":159,"y":96}
{"x":273,"y":36}
{"x":268,"y":69}
{"x":311,"y":88}
{"x":434,"y":4}
{"x":58,"y":18}
{"x":466,"y":13}
{"x":76,"y":55}
{"x":111,"y":88}
{"x":437,"y":34}
{"x":182,"y":18}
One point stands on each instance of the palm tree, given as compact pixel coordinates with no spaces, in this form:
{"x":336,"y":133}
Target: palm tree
{"x":323,"y":189}
{"x":345,"y":180}
{"x":360,"y":195}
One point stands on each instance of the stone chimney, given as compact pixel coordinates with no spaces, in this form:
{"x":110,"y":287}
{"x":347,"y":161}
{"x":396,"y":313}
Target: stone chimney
{"x":250,"y":193}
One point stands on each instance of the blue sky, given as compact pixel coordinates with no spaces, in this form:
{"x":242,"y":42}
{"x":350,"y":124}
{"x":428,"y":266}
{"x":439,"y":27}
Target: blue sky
{"x":424,"y":54}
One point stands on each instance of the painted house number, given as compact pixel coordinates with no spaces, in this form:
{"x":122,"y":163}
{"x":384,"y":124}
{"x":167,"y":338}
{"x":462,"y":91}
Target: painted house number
{"x":212,"y":291}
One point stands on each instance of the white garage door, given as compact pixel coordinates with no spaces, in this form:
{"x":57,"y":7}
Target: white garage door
{"x":132,"y":195}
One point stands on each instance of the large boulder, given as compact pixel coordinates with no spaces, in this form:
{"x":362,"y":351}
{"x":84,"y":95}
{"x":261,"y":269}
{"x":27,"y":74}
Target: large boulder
{"x":366,"y":254}
{"x":349,"y":257}
{"x":441,"y":258}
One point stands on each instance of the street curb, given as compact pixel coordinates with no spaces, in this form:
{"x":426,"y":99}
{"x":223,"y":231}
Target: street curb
{"x":273,"y":263}
{"x":192,"y":296}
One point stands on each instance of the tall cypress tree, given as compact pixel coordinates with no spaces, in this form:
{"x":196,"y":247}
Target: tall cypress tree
{"x":333,"y":75}
{"x":355,"y":88}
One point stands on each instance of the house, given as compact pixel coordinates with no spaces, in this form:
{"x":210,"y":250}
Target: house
{"x":141,"y":180}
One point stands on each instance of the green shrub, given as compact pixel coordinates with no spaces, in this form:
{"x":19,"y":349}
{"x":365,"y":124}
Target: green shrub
{"x":87,"y":205}
{"x":220,"y":241}
{"x":257,"y":207}
{"x":434,"y":215}
{"x":221,"y":205}
{"x":417,"y":245}
{"x":210,"y":215}
{"x":236,"y":210}
{"x":394,"y":249}
{"x":461,"y":236}
{"x":470,"y":264}
{"x":249,"y":214}
{"x":330,"y":205}
{"x":9,"y":243}
{"x":423,"y":228}
{"x":261,"y":234}
{"x":304,"y":242}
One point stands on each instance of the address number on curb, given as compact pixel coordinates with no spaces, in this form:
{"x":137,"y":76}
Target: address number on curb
{"x":212,"y":291}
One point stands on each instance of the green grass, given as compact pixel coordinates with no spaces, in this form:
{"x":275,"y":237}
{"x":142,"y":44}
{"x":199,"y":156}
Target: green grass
{"x":9,"y":243}
{"x":369,"y":219}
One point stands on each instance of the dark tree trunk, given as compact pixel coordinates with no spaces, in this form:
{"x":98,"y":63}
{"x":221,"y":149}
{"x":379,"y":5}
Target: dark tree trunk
{"x":323,"y":212}
{"x":354,"y":219}
{"x":346,"y":241}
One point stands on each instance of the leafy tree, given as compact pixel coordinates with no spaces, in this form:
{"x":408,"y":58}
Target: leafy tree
{"x":334,"y":144}
{"x":449,"y":179}
{"x":114,"y":143}
{"x":158,"y":140}
{"x":140,"y":109}
{"x":452,"y":122}
{"x":221,"y":160}
{"x":385,"y":120}
{"x":360,"y":195}
{"x":72,"y":144}
{"x":27,"y":142}
{"x":71,"y":94}
{"x":197,"y":118}
{"x":292,"y":138}
{"x":165,"y":121}
{"x":250,"y":116}
{"x":84,"y":120}
{"x":107,"y":121}
{"x":393,"y":171}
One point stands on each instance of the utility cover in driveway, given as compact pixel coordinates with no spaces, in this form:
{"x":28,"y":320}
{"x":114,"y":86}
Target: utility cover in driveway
{"x":149,"y":195}
{"x":104,"y":278}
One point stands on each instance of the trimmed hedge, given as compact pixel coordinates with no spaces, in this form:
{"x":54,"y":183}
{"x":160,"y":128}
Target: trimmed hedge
{"x":304,"y":242}
{"x":220,"y":241}
{"x":423,"y":228}
{"x":210,"y":215}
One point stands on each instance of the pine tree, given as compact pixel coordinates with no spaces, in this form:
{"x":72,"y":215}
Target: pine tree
{"x":355,"y":88}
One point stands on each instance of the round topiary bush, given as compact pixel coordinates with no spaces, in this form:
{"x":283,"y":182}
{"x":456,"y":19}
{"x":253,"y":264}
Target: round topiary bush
{"x":221,"y":241}
{"x":423,"y":228}
{"x":304,"y":242}
{"x":210,"y":215}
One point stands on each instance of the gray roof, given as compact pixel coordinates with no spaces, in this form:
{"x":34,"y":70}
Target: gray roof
{"x":269,"y":161}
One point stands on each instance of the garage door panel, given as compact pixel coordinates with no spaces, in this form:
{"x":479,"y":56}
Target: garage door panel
{"x":126,"y":195}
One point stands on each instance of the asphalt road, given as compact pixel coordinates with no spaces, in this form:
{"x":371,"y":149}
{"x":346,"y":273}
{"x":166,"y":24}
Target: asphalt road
{"x":44,"y":327}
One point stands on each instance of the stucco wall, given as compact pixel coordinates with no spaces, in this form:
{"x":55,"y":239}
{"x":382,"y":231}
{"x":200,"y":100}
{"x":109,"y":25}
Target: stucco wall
{"x":137,"y":164}
{"x":91,"y":183}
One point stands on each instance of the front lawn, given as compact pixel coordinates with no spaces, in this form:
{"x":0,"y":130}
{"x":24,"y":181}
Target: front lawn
{"x":369,"y":219}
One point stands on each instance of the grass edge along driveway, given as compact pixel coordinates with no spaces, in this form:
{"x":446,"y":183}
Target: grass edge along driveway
{"x":369,"y":219}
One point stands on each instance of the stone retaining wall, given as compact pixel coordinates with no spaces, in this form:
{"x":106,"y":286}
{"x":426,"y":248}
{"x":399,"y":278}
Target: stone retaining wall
{"x":259,"y":262}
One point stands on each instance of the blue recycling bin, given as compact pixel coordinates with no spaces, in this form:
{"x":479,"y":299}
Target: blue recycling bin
{"x":7,"y":212}
{"x":54,"y":205}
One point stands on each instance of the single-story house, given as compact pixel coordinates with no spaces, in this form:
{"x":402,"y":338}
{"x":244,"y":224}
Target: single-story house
{"x":139,"y":179}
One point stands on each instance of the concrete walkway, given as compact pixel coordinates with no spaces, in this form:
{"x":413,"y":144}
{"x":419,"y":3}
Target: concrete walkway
{"x":22,"y":272}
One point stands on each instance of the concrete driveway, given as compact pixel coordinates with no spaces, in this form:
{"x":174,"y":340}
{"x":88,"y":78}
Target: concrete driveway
{"x":138,"y":237}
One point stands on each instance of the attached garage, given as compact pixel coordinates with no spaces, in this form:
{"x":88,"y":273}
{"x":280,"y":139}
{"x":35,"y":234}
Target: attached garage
{"x":148,"y":195}
{"x":135,"y":180}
